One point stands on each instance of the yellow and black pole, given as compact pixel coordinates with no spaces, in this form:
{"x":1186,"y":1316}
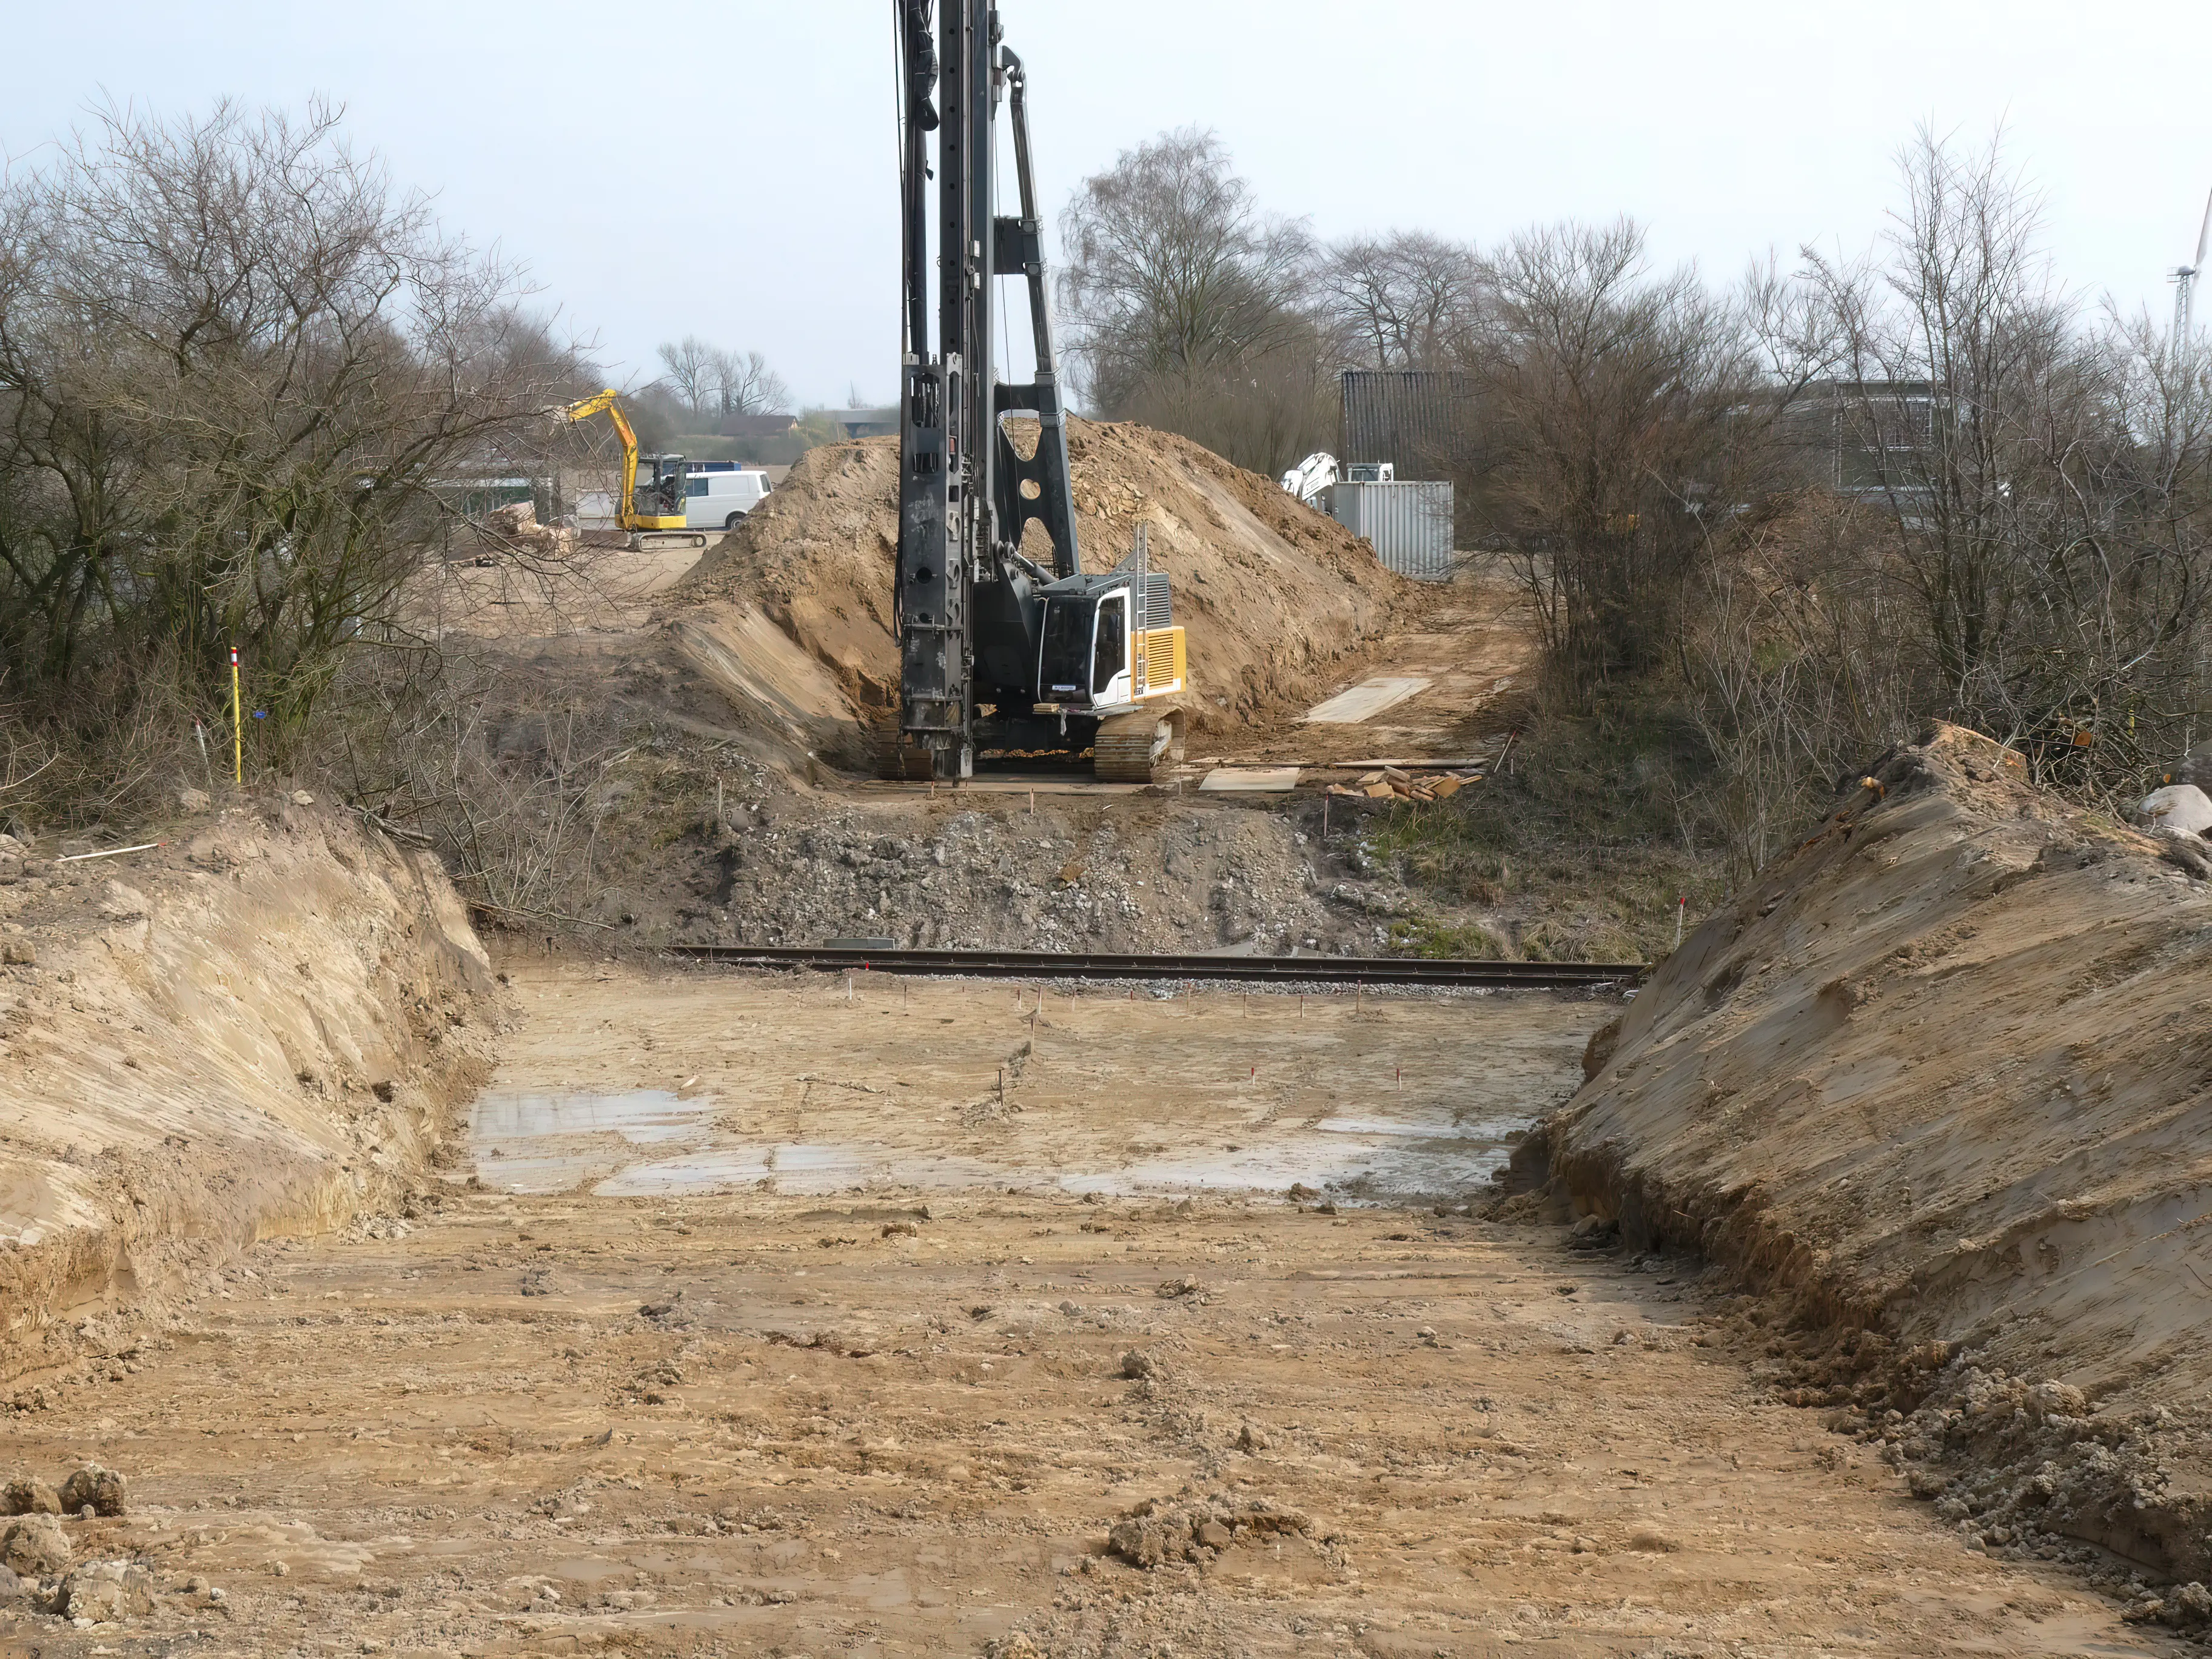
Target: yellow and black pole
{"x":237,"y":724}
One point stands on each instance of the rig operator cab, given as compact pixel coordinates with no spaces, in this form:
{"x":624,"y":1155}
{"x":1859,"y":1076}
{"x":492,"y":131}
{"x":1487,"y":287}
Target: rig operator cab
{"x":1106,"y":646}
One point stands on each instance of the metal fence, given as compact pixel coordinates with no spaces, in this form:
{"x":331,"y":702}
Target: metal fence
{"x":1409,"y":524}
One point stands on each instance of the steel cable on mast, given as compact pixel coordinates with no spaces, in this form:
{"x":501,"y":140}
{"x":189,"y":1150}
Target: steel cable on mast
{"x":898,"y":139}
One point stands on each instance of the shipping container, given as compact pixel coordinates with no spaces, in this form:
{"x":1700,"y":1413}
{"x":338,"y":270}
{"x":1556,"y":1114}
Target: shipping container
{"x":1422,"y":420}
{"x":1409,"y":524}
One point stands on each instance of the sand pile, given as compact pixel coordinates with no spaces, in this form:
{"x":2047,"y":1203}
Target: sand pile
{"x":257,"y":1030}
{"x":1270,"y":592}
{"x":1939,"y":1082}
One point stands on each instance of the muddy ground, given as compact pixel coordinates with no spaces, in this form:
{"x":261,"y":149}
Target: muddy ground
{"x":784,"y":1405}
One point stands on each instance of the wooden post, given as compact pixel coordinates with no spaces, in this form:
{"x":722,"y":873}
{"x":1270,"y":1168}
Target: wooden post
{"x":237,"y":724}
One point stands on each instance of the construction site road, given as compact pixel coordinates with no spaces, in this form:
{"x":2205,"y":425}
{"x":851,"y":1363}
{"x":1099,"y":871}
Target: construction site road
{"x":1210,"y":966}
{"x":1051,"y":1405}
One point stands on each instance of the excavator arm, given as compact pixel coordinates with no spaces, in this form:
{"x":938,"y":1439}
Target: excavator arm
{"x":610,"y":403}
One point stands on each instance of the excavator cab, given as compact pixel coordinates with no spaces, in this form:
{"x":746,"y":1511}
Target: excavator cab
{"x":659,"y":490}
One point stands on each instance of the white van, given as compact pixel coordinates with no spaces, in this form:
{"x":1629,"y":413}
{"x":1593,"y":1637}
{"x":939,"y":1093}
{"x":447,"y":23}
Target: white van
{"x":718,"y":499}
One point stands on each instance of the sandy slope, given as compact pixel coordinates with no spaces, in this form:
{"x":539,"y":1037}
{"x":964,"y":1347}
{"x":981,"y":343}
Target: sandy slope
{"x":1270,"y":593}
{"x":1942,"y":1077}
{"x":255,"y":1030}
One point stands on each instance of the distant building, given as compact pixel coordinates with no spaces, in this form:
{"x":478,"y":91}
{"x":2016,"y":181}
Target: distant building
{"x":1873,"y":438}
{"x":756,"y":426}
{"x":869,"y":422}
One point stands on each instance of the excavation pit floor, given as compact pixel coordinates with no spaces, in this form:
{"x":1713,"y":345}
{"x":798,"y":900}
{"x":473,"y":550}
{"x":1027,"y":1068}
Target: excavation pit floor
{"x":828,"y":1407}
{"x":626,"y":1084}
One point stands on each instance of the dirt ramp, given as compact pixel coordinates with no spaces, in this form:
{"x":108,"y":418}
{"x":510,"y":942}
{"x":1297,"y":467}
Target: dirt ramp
{"x":1940,"y":1080}
{"x":1269,"y":590}
{"x":260,"y":1031}
{"x":769,"y":680}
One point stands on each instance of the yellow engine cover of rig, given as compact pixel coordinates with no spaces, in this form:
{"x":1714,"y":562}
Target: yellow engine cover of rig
{"x":1159,"y":657}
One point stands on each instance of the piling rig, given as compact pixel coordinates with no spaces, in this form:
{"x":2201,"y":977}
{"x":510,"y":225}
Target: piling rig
{"x":1001,"y":658}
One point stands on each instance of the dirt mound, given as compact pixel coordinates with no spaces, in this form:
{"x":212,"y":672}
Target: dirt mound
{"x":1939,"y":1080}
{"x":254,"y":1030}
{"x":1269,"y":590}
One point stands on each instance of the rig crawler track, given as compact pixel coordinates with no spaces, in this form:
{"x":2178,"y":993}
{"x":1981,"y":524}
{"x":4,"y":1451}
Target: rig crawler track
{"x":1052,"y":965}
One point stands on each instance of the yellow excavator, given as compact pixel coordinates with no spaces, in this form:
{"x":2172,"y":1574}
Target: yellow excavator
{"x":651,"y":498}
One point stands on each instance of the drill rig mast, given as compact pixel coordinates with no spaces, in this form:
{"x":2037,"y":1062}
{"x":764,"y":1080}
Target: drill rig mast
{"x":999,"y":653}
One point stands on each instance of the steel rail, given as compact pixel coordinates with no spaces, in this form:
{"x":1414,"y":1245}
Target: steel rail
{"x":1053,"y":964}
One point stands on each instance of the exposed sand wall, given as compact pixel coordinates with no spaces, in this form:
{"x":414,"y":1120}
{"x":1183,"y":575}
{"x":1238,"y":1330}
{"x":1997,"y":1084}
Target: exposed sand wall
{"x":1940,"y":1079}
{"x":258,"y":1030}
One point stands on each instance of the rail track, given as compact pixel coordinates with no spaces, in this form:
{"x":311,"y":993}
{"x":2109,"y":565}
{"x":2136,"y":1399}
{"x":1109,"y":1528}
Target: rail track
{"x":1053,"y":964}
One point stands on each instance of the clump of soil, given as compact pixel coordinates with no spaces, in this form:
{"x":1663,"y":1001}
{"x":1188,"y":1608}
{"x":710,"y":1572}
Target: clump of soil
{"x":1930,"y":1081}
{"x":1268,"y":591}
{"x":1156,"y":1534}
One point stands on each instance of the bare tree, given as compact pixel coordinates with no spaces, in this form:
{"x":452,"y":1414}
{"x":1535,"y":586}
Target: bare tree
{"x":236,"y":369}
{"x":743,"y":383}
{"x":1172,"y":272}
{"x":1628,"y":420}
{"x":690,"y":373}
{"x":2046,"y":486}
{"x":1400,"y":302}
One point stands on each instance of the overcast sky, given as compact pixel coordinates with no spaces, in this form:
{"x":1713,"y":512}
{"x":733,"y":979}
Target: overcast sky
{"x":728,"y":168}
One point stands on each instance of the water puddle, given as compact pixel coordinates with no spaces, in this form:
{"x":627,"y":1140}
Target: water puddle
{"x":541,"y":1143}
{"x":798,"y":1168}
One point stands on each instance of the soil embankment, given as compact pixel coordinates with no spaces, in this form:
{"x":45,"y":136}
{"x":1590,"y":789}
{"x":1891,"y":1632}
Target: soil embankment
{"x":1938,"y":1081}
{"x":1269,"y":592}
{"x":258,"y":1029}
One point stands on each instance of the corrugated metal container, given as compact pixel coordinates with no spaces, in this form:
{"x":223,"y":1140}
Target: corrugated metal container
{"x":1409,"y":524}
{"x":1421,"y":420}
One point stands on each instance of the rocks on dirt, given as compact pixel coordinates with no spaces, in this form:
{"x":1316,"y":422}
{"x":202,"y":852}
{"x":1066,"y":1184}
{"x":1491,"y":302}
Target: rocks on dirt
{"x":1594,"y":1233}
{"x":1017,"y":1646}
{"x":121,"y":903}
{"x":1251,"y":1438}
{"x":2195,"y":767}
{"x":18,"y":953}
{"x":1155,"y":1534}
{"x":2179,"y":808}
{"x":34,"y":1546}
{"x":106,"y":1591}
{"x":1137,"y":1365}
{"x":97,"y":1485}
{"x":28,"y":1495}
